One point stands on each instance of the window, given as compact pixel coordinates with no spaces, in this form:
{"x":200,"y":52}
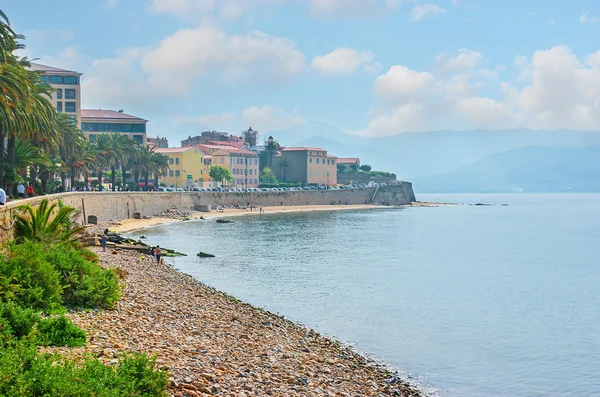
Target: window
{"x":171,"y":161}
{"x":255,"y":181}
{"x":70,"y":80}
{"x":310,"y":160}
{"x":250,"y":171}
{"x":327,"y":173}
{"x":222,"y":160}
{"x":255,"y":163}
{"x":177,"y":160}
{"x":311,"y":173}
{"x":59,"y":93}
{"x":59,"y":106}
{"x":317,"y":161}
{"x":70,"y":107}
{"x":170,"y":172}
{"x":113,"y":127}
{"x":60,"y":79}
{"x":177,"y":173}
{"x":332,"y":162}
{"x":69,"y":93}
{"x":138,"y":139}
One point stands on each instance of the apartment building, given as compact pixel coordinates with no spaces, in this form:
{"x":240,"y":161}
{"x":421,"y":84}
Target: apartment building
{"x":241,"y":163}
{"x":67,"y":98}
{"x":306,"y":165}
{"x":186,"y":167}
{"x":101,"y":121}
{"x":157,"y":142}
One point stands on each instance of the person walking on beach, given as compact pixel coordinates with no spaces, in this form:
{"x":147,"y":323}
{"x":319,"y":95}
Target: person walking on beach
{"x":103,"y":240}
{"x":157,"y":253}
{"x":21,"y":190}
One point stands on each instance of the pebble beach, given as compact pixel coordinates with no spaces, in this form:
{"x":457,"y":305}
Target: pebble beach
{"x":213,"y":344}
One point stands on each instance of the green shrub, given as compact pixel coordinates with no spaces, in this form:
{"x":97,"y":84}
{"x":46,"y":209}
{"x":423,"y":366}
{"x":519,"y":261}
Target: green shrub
{"x":85,"y":283}
{"x":24,"y":372}
{"x":59,"y":331}
{"x":16,"y":322}
{"x":28,"y":279}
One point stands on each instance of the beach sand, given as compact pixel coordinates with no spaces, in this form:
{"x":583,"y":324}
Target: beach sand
{"x":213,"y":344}
{"x":128,"y":225}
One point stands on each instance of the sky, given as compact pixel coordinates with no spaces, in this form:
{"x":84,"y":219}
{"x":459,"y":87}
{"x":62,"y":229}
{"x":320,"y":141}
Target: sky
{"x":369,"y":67}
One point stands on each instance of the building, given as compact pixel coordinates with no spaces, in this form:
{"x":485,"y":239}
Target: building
{"x":250,"y":137}
{"x":186,"y":167}
{"x":206,"y":137}
{"x":67,"y":98}
{"x":157,"y":142}
{"x":306,"y":165}
{"x":242,"y":164}
{"x":348,"y":163}
{"x":99,"y":121}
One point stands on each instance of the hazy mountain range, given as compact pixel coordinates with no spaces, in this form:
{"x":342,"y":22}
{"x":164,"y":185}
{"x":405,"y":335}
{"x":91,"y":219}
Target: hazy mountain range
{"x":468,"y":161}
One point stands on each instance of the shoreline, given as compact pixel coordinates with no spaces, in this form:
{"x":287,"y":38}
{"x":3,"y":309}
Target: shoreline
{"x":212,"y":343}
{"x":130,"y":225}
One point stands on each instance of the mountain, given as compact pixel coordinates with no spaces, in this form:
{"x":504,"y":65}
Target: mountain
{"x":418,"y":154}
{"x":532,"y":169}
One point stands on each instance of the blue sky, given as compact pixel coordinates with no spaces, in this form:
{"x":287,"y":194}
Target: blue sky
{"x":370,"y":67}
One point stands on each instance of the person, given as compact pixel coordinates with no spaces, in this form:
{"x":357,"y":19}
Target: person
{"x":21,"y":190}
{"x":30,"y":191}
{"x":2,"y":196}
{"x":157,"y":253}
{"x":103,"y":240}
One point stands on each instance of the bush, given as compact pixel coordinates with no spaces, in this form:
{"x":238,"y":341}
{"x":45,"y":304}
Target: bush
{"x":85,"y":284}
{"x":28,"y":279}
{"x":59,"y":331}
{"x":15,"y":322}
{"x":24,"y":372}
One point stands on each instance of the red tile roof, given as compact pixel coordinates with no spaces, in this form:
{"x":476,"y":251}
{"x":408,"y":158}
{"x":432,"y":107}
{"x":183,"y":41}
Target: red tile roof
{"x":107,"y":114}
{"x":302,"y":149}
{"x":50,"y":69}
{"x":235,"y":151}
{"x":174,"y":149}
{"x":350,"y":160}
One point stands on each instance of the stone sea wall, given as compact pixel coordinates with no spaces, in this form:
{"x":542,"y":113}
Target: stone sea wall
{"x":121,"y":205}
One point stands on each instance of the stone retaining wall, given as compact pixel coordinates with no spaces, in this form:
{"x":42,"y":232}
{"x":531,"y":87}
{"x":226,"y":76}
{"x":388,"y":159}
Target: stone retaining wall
{"x":121,"y":205}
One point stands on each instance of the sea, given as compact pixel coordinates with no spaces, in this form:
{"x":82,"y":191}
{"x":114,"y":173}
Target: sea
{"x":466,"y":300}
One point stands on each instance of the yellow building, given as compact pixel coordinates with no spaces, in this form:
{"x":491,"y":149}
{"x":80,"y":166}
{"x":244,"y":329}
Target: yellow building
{"x":187,"y":167}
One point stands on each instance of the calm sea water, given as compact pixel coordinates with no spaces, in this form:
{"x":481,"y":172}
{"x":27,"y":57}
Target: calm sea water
{"x":470,"y":300}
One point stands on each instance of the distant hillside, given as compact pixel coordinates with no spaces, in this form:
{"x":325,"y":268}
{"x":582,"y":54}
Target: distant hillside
{"x":419,"y":154}
{"x":531,"y":169}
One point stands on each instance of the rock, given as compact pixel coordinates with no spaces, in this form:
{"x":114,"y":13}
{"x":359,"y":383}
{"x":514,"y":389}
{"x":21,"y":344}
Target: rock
{"x":224,"y":221}
{"x":205,"y":255}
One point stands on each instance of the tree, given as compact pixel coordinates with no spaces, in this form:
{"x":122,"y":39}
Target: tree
{"x":267,"y":176}
{"x":365,"y":168}
{"x":354,"y":167}
{"x":284,"y":164}
{"x":220,"y":174}
{"x":270,"y":148}
{"x":341,"y":167}
{"x":37,"y":225}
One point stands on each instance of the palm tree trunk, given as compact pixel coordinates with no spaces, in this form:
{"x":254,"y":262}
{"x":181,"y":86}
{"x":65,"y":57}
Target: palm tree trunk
{"x":136,"y":177}
{"x":113,"y":177}
{"x":1,"y":159}
{"x":100,"y":180}
{"x":146,"y":175}
{"x":10,"y":157}
{"x":44,"y":176}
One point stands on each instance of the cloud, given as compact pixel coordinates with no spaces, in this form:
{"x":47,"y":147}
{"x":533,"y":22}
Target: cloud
{"x":423,"y":10}
{"x":182,"y":58}
{"x":465,"y":60}
{"x":111,"y":3}
{"x":352,"y":8}
{"x":195,"y":9}
{"x":552,"y":89}
{"x":585,"y":18}
{"x":210,"y":122}
{"x":342,"y":61}
{"x":269,"y":118}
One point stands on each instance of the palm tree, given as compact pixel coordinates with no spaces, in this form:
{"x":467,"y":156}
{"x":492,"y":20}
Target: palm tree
{"x":103,"y":152}
{"x":160,"y":165}
{"x":284,"y":164}
{"x":270,"y":148}
{"x":121,"y":147}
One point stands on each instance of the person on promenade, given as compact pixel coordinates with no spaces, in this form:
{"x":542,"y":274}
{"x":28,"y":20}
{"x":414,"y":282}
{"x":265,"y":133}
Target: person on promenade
{"x":157,"y":253}
{"x":30,"y":192}
{"x":103,"y":240}
{"x":2,"y":196}
{"x":21,"y":190}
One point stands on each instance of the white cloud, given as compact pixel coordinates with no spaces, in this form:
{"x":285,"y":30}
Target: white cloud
{"x":341,"y":61}
{"x":269,"y":118}
{"x":465,"y":60}
{"x":586,"y":18}
{"x":352,"y":8}
{"x":210,"y":122}
{"x":423,"y":10}
{"x":195,"y":9}
{"x":111,"y":3}
{"x":182,"y":58}
{"x":554,"y":89}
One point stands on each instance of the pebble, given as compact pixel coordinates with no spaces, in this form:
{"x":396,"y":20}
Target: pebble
{"x":212,"y":343}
